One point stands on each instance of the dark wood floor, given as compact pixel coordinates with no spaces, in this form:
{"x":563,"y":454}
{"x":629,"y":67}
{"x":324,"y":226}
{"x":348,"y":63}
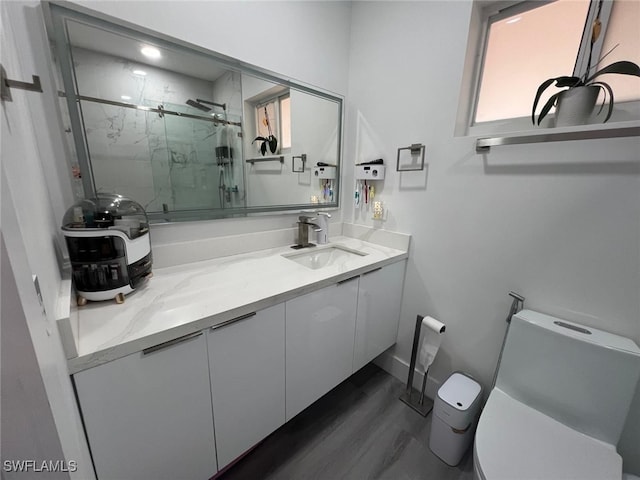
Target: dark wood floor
{"x":359,"y":430}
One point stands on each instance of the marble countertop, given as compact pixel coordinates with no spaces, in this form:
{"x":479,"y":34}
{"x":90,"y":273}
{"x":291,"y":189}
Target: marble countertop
{"x":184,"y":299}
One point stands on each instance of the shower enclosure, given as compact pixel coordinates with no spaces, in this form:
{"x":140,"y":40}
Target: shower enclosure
{"x":199,"y":168}
{"x":142,"y":134}
{"x":169,"y":157}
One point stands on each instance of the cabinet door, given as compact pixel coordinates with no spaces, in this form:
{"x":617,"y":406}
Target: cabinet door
{"x":247,"y":381}
{"x":379,"y":299}
{"x":148,"y":415}
{"x":320,"y":329}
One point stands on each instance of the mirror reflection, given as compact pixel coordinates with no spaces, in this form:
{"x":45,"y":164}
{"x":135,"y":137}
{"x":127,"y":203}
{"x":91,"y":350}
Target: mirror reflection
{"x":306,"y":133}
{"x":185,"y":134}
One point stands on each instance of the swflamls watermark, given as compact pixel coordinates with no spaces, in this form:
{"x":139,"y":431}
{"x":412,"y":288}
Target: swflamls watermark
{"x":39,"y":466}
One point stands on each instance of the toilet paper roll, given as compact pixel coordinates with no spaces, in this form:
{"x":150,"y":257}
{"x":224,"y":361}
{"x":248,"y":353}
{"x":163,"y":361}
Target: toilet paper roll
{"x":432,"y":337}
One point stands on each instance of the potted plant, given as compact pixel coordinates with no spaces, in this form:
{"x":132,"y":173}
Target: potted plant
{"x":269,"y":140}
{"x":575,"y":103}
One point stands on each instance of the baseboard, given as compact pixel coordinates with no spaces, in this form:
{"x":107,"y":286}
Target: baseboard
{"x":397,"y":367}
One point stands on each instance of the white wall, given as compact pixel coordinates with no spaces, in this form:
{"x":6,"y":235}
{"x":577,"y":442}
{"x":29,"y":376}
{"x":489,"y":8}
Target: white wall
{"x":33,"y":200}
{"x":27,"y":426}
{"x":306,"y":41}
{"x":296,"y":39}
{"x":558,"y":223}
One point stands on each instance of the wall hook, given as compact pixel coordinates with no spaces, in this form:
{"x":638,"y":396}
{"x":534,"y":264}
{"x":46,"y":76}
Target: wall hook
{"x":7,"y":84}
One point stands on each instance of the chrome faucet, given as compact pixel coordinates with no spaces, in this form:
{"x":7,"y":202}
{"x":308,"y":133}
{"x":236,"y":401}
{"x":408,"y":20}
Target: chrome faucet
{"x":304,"y":222}
{"x":323,"y":221}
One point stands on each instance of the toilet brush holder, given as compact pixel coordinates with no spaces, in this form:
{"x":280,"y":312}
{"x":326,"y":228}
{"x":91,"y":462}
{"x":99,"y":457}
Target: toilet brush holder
{"x":417,"y":400}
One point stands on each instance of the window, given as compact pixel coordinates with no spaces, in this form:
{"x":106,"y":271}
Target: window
{"x":273,"y":117}
{"x":622,"y":30}
{"x":285,"y":115}
{"x":532,"y":41}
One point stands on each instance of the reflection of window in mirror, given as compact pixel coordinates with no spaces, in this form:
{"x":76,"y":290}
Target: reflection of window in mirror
{"x":275,"y":113}
{"x":285,"y":121}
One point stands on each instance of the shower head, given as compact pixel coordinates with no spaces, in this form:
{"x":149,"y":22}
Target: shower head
{"x":209,"y":102}
{"x":198,"y":105}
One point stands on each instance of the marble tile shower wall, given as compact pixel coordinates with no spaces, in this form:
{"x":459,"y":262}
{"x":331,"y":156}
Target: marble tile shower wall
{"x":167,"y":162}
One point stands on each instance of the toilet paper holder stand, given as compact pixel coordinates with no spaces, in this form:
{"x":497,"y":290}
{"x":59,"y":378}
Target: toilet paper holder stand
{"x":414,"y":399}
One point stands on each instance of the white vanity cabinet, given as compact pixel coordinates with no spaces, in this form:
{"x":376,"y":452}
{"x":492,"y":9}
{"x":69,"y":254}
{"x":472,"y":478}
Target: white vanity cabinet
{"x":148,"y":415}
{"x":379,"y":299}
{"x":320,"y":331}
{"x":247,"y":367}
{"x":152,"y":414}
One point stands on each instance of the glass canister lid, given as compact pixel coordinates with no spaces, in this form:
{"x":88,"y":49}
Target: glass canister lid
{"x":107,"y":211}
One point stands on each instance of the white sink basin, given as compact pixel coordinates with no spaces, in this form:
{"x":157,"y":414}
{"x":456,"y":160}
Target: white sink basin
{"x":325,"y":256}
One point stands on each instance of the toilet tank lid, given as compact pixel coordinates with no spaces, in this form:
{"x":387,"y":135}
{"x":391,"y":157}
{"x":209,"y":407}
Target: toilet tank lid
{"x":460,"y":391}
{"x":581,"y":332}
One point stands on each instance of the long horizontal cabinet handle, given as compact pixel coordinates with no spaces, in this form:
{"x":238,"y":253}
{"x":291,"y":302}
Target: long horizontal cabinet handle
{"x":371,"y":271}
{"x":170,"y":343}
{"x":233,"y":320}
{"x":348,"y":280}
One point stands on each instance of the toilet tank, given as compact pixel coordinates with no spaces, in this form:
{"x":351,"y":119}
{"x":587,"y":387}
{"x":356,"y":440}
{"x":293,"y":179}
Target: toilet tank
{"x":580,"y":376}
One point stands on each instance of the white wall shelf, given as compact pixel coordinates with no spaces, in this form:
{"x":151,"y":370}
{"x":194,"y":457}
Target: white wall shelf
{"x":483,"y":145}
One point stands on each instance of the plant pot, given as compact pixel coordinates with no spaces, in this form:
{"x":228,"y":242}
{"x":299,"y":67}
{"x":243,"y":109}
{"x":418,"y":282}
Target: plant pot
{"x":576,"y":105}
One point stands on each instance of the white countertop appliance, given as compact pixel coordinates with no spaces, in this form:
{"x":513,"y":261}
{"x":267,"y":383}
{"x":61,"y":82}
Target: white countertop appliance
{"x":109,"y":247}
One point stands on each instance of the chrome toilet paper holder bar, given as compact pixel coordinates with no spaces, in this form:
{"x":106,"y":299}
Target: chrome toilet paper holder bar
{"x":417,"y":400}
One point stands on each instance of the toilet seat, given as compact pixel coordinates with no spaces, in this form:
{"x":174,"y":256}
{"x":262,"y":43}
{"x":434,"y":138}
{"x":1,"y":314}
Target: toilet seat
{"x":514,"y":441}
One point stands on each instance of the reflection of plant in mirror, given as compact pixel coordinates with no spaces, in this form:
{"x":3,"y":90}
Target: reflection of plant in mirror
{"x":270,"y":140}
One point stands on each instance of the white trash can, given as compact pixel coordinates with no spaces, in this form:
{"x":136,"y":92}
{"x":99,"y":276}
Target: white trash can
{"x":454,"y":417}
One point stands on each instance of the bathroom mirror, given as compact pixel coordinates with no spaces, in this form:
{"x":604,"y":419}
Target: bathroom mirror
{"x":188,"y":133}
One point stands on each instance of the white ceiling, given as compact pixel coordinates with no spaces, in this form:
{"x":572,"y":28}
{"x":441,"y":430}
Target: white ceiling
{"x":104,"y":41}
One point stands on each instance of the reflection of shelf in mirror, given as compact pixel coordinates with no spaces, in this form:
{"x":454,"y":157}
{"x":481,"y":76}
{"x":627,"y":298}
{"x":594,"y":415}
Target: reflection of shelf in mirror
{"x":277,"y":158}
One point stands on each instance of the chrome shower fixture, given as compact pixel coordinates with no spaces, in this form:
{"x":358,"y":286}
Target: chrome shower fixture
{"x":198,"y":105}
{"x":516,"y":305}
{"x":208,"y":102}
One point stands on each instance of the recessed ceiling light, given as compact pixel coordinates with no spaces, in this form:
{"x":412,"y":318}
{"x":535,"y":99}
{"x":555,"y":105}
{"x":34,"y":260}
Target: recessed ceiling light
{"x":142,"y":73}
{"x":125,"y":97}
{"x":513,"y":20}
{"x":151,"y":52}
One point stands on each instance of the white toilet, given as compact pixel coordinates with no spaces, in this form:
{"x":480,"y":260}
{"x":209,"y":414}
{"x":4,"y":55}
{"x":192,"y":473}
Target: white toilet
{"x":559,"y":405}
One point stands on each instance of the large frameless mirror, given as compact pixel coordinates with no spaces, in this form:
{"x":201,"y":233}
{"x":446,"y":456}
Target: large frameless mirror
{"x":187,"y":133}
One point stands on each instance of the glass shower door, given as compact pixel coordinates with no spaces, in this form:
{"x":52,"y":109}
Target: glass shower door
{"x":203,"y":162}
{"x":122,"y":143}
